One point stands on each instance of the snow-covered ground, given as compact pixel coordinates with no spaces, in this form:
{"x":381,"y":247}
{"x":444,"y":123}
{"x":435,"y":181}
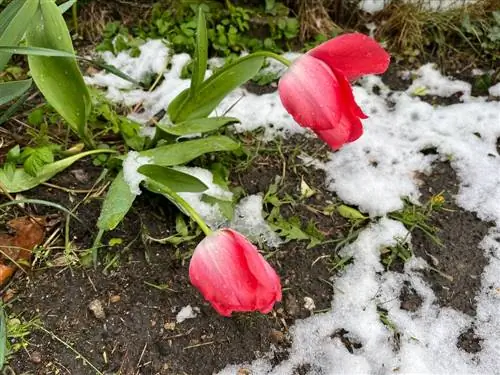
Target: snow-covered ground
{"x":375,"y":173}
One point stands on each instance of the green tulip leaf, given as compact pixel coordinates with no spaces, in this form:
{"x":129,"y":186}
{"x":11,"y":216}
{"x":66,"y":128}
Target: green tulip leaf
{"x":174,"y":180}
{"x":117,"y":203}
{"x":211,"y":92}
{"x":183,"y":152}
{"x":201,"y":53}
{"x":202,"y":125}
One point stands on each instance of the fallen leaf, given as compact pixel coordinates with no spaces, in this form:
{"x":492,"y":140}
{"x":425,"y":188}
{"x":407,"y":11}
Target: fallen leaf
{"x":16,"y":249}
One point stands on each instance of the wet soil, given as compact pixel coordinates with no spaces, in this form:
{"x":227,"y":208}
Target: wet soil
{"x":140,"y":286}
{"x":458,"y":260}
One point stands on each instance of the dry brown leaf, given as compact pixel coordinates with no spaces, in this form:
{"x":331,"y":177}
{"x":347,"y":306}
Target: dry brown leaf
{"x":16,"y":249}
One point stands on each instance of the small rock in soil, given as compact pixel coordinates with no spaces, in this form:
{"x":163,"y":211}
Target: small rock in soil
{"x":277,"y":336}
{"x":36,"y":357}
{"x":291,"y":306}
{"x":309,"y":304}
{"x":96,"y":307}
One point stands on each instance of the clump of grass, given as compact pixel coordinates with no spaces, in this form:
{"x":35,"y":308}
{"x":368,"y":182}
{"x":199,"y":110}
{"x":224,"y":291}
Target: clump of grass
{"x":314,"y":17}
{"x":470,"y":31}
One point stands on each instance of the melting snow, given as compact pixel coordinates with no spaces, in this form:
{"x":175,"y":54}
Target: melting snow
{"x":375,"y":173}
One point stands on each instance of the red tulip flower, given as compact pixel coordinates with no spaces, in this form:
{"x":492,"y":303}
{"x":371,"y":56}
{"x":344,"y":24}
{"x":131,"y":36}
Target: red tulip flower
{"x":316,"y":90}
{"x":232,"y":275}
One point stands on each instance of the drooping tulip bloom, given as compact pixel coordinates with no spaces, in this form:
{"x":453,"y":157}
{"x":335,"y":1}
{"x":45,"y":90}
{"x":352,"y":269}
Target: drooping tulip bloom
{"x":315,"y":90}
{"x":232,"y":275}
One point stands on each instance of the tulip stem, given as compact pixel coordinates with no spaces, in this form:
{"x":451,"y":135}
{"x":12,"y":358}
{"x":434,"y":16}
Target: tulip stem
{"x":184,"y":206}
{"x":275,"y":56}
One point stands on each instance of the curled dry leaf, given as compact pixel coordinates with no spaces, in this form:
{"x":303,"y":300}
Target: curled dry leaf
{"x":15,"y":249}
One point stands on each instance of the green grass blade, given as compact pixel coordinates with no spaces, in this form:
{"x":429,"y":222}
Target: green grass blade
{"x":64,"y":7}
{"x":49,"y":52}
{"x":42,"y":202}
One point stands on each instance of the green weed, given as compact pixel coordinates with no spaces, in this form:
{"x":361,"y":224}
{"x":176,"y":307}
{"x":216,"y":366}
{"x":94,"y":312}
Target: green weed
{"x":231,"y":29}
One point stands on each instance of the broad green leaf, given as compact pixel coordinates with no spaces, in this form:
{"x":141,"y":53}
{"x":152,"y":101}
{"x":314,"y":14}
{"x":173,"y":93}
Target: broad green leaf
{"x":175,"y":180}
{"x":58,"y":78}
{"x":183,"y":152}
{"x":14,"y":21}
{"x":40,"y":51}
{"x":20,"y":180}
{"x":117,"y":203}
{"x":211,"y":92}
{"x":201,"y":53}
{"x":201,"y":125}
{"x":11,"y":90}
{"x":64,"y":7}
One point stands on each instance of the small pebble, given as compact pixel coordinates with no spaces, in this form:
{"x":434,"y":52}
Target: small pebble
{"x":291,"y":305}
{"x":96,"y":307}
{"x":309,"y":304}
{"x":169,"y":326}
{"x":36,"y":357}
{"x":277,"y":336}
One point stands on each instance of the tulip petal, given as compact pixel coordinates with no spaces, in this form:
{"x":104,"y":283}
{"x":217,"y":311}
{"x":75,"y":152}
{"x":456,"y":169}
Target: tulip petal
{"x":308,"y":91}
{"x":232,"y":275}
{"x":354,"y":54}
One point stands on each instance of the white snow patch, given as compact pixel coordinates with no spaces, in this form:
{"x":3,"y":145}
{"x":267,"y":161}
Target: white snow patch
{"x":495,"y":90}
{"x":130,"y":165}
{"x":187,"y":312}
{"x":210,"y":212}
{"x":432,"y":82}
{"x":248,"y":220}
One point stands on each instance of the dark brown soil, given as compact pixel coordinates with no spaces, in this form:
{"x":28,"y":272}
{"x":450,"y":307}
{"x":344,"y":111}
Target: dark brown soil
{"x":458,"y":259}
{"x":138,"y":332}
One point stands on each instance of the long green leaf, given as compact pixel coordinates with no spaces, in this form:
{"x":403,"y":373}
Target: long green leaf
{"x":11,"y":90}
{"x":19,"y":180}
{"x":14,"y":21}
{"x":58,"y":78}
{"x":39,"y":51}
{"x":119,"y":198}
{"x":202,"y":125}
{"x":175,"y":180}
{"x":201,"y":53}
{"x":183,"y":152}
{"x":117,"y":203}
{"x":211,"y":92}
